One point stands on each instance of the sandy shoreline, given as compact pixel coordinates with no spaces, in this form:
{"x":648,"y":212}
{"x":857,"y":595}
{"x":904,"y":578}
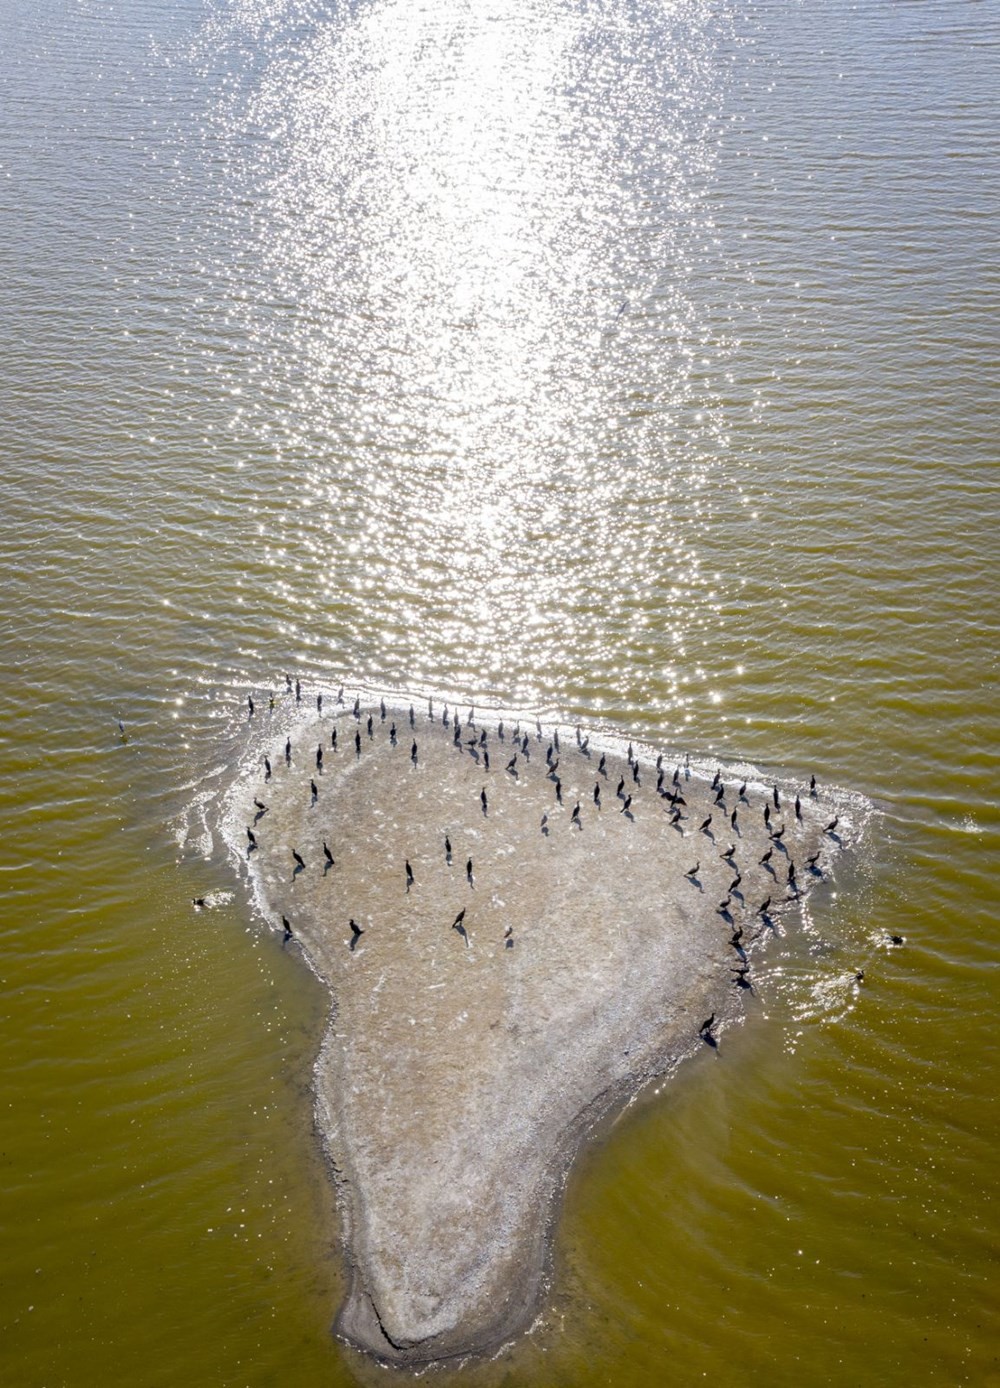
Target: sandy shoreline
{"x":462,"y":1072}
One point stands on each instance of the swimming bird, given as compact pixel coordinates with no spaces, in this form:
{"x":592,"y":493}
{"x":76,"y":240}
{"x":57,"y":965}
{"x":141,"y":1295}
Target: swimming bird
{"x":251,"y":840}
{"x":286,"y":927}
{"x":198,"y":902}
{"x":409,"y":875}
{"x":626,"y":806}
{"x":413,"y":752}
{"x":315,"y":791}
{"x":300,"y":861}
{"x":356,"y":933}
{"x":327,"y":855}
{"x":267,"y":769}
{"x":693,"y":872}
{"x":897,"y":939}
{"x":705,"y":824}
{"x":832,"y":825}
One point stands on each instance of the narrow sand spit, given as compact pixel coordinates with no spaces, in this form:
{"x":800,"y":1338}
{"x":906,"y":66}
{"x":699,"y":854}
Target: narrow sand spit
{"x":462,"y":1071}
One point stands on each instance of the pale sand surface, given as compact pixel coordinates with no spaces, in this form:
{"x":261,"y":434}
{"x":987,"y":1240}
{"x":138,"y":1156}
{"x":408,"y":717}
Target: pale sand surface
{"x":458,"y":1079}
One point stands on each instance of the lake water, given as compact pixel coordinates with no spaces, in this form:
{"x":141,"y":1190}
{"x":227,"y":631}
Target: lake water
{"x":631,"y":363}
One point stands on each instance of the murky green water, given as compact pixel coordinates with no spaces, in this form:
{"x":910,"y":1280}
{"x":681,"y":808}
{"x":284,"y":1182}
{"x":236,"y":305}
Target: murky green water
{"x":636,"y":363}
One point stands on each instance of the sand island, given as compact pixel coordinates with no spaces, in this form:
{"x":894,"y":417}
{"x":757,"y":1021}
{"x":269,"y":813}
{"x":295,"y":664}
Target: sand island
{"x":520,"y":926}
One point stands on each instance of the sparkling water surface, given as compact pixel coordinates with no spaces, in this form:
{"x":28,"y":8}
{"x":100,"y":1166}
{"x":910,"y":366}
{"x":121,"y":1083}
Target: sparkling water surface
{"x":632,"y":363}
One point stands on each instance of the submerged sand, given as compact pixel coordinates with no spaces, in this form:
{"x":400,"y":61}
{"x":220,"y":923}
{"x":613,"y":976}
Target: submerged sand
{"x":461,"y":1072}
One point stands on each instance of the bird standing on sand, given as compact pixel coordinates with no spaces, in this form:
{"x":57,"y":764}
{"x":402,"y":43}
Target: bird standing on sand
{"x":732,"y":820}
{"x":315,"y":791}
{"x":777,"y":801}
{"x":409,"y":875}
{"x":602,"y":766}
{"x":706,"y":1027}
{"x":575,"y":816}
{"x":357,"y":744}
{"x":286,"y":928}
{"x":621,"y":787}
{"x":319,"y":703}
{"x":832,"y":825}
{"x":705,"y":824}
{"x":558,"y":790}
{"x":356,"y":933}
{"x":798,"y":809}
{"x":327,"y":855}
{"x":468,"y":871}
{"x":764,"y":906}
{"x":251,"y":840}
{"x":766,"y":858}
{"x":483,"y":801}
{"x":413,"y":752}
{"x":597,"y":795}
{"x":627,"y":805}
{"x":333,"y":739}
{"x":300,"y":862}
{"x":767,"y":815}
{"x":447,"y":850}
{"x":250,"y":705}
{"x":693,"y":872}
{"x":288,"y":751}
{"x":267,"y":769}
{"x":319,"y":758}
{"x":261,"y":807}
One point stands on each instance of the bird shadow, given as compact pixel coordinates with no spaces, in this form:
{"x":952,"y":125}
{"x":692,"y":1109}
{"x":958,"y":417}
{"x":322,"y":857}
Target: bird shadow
{"x":629,"y":816}
{"x":709,"y":1040}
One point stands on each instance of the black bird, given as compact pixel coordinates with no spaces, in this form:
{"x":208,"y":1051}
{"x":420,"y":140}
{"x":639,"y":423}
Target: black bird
{"x":832,"y":825}
{"x":693,"y":872}
{"x":512,"y":765}
{"x":333,"y":739}
{"x":715,"y":780}
{"x":896,"y":939}
{"x":677,"y":775}
{"x":558,"y":790}
{"x":298,"y":692}
{"x":508,"y":937}
{"x":740,"y":979}
{"x":766,"y":858}
{"x":447,"y":850}
{"x":621,"y":787}
{"x":286,"y":928}
{"x":381,"y":709}
{"x":626,"y":806}
{"x":430,"y":710}
{"x":659,"y":762}
{"x":468,"y":871}
{"x":357,"y":744}
{"x":483,"y":801}
{"x":327,"y":855}
{"x":357,"y":708}
{"x":555,"y":738}
{"x":340,"y":695}
{"x":553,"y":768}
{"x":659,"y":782}
{"x":315,"y":791}
{"x":777,"y":834}
{"x":413,"y":722}
{"x":500,"y":730}
{"x":457,"y":739}
{"x":736,"y":937}
{"x":300,"y":861}
{"x":720,"y":795}
{"x":371,"y":726}
{"x":811,"y":862}
{"x":251,"y":840}
{"x":575,"y":816}
{"x":288,"y":751}
{"x":356,"y":933}
{"x":630,"y":752}
{"x":197,"y":902}
{"x":705,"y":824}
{"x":767,"y":815}
{"x":729,"y":852}
{"x":319,"y":703}
{"x":741,"y":794}
{"x":458,"y":919}
{"x":763,"y":907}
{"x":319,"y":757}
{"x":732,"y":820}
{"x":675,"y":815}
{"x":409,"y":875}
{"x":548,"y":755}
{"x":791,"y":872}
{"x":735,"y":883}
{"x":392,"y":734}
{"x":777,"y":801}
{"x":812,"y":785}
{"x":602,"y":766}
{"x":798,"y":809}
{"x":486,"y":759}
{"x":635,"y":773}
{"x":578,"y":736}
{"x":267,"y":769}
{"x":288,"y":684}
{"x":723,"y":906}
{"x":706,"y":1027}
{"x":260,"y":805}
{"x":250,"y":705}
{"x":597,"y":795}
{"x":524,"y":744}
{"x":413,"y":752}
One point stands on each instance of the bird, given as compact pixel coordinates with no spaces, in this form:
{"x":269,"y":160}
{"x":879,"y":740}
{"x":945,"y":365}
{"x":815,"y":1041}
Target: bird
{"x":545,"y":824}
{"x":319,"y":703}
{"x":742,"y":792}
{"x":267,"y":769}
{"x":251,"y":840}
{"x":288,"y":751}
{"x":621,"y":787}
{"x":811,"y":862}
{"x":659,"y":762}
{"x":832,"y":825}
{"x":413,"y":752}
{"x":357,"y":744}
{"x":447,"y":850}
{"x":575,"y":816}
{"x":315,"y":791}
{"x":766,"y":858}
{"x":508,"y":937}
{"x":791,"y":872}
{"x":468,"y":871}
{"x":286,"y":927}
{"x":896,"y":939}
{"x":777,"y":801}
{"x":261,"y":807}
{"x":250,"y":705}
{"x":735,"y":883}
{"x":732,"y":820}
{"x":299,"y":860}
{"x":413,"y":721}
{"x":512,"y":765}
{"x":298,"y":692}
{"x":812,"y":785}
{"x":357,"y":708}
{"x":720,"y":796}
{"x":705,"y":824}
{"x":602,"y":766}
{"x":584,"y":745}
{"x":558,"y":790}
{"x":340,"y":695}
{"x":736,"y":937}
{"x":767,"y":815}
{"x":706,"y":1027}
{"x":715,"y":780}
{"x":483,"y":800}
{"x":740,"y":979}
{"x":778,"y":834}
{"x":370,"y":726}
{"x":392,"y":734}
{"x":356,"y":933}
{"x":798,"y":809}
{"x":288,"y":684}
{"x":763,"y":907}
{"x":635,"y":773}
{"x":693,"y":872}
{"x":381,"y":709}
{"x":597,"y":795}
{"x":675,"y":815}
{"x":677,"y":775}
{"x":319,"y":757}
{"x":627,"y":805}
{"x":333,"y":739}
{"x":459,"y":918}
{"x":723,"y":906}
{"x":198,"y":902}
{"x":327,"y":854}
{"x":729,"y":852}
{"x":409,"y":875}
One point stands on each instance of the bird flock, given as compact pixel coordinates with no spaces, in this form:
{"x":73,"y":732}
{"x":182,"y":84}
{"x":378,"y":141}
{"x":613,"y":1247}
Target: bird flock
{"x":753,"y":837}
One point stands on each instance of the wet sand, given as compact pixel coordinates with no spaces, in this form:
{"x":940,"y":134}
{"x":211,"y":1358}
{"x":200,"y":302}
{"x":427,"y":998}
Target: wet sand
{"x":461,"y":1072}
